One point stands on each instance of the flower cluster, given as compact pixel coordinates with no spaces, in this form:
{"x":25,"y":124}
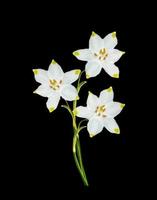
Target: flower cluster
{"x":100,"y":111}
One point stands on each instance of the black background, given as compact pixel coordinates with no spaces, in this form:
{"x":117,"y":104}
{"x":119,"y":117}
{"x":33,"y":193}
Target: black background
{"x":46,"y":166}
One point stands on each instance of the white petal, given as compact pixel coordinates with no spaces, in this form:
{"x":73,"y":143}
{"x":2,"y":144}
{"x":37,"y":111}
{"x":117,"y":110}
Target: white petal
{"x":114,"y":55}
{"x":83,"y":54}
{"x":106,"y":96}
{"x":111,"y":125}
{"x":92,"y":102}
{"x":93,"y":68}
{"x":53,"y":101}
{"x":44,"y":91}
{"x":41,"y":76}
{"x":114,"y":108}
{"x":95,"y":43}
{"x":83,"y":112}
{"x":94,"y":126}
{"x":110,"y":41}
{"x":111,"y":69}
{"x":55,"y":71}
{"x":71,"y":76}
{"x":69,"y":93}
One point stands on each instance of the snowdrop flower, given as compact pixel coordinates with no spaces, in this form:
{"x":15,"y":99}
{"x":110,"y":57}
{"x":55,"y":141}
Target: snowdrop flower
{"x":100,"y":112}
{"x":55,"y":84}
{"x":101,"y":54}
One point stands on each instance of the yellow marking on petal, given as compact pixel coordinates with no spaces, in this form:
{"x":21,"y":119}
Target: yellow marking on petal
{"x":116,"y":130}
{"x":109,"y":89}
{"x":91,"y":135}
{"x":114,"y":34}
{"x":122,"y":105}
{"x":116,"y":75}
{"x":123,"y":52}
{"x":89,"y":92}
{"x":77,"y":98}
{"x":51,"y":109}
{"x":93,"y":34}
{"x":87,"y":76}
{"x":77,"y":71}
{"x":76,"y":53}
{"x":75,"y":111}
{"x":53,"y":62}
{"x":35,"y":71}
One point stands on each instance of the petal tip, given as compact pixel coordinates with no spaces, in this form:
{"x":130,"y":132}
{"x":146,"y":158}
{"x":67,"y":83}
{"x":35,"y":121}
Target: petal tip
{"x":77,"y":98}
{"x":77,"y":71}
{"x":122,"y":105}
{"x":93,"y":34}
{"x":76,"y":53}
{"x":117,"y":131}
{"x":51,"y":109}
{"x":53,"y":62}
{"x":115,"y":76}
{"x":35,"y":71}
{"x":87,"y":76}
{"x":91,"y":135}
{"x":110,"y":89}
{"x":113,"y":34}
{"x":123,"y":52}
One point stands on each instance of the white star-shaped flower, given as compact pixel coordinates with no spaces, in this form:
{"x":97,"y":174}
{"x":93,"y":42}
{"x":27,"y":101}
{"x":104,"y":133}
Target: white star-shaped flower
{"x":101,"y":54}
{"x":100,"y":112}
{"x":55,"y":84}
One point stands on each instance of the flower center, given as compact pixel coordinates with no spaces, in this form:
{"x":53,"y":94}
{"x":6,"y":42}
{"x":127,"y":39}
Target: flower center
{"x":100,"y":110}
{"x":102,"y":55}
{"x":55,"y":85}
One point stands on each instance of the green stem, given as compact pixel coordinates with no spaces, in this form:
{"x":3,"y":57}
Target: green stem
{"x":77,"y":164}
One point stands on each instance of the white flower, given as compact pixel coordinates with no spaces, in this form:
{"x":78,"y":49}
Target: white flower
{"x":101,"y":54}
{"x":100,"y":112}
{"x":55,"y":84}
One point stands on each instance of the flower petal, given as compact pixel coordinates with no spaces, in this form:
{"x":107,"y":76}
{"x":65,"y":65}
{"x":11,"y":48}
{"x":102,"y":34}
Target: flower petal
{"x":41,"y":76}
{"x":111,"y":69}
{"x":111,"y":125}
{"x":55,"y":71}
{"x":114,"y":108}
{"x":95,"y":43}
{"x":83,"y":112}
{"x":69,"y":93}
{"x":53,"y":101}
{"x":83,"y":54}
{"x":106,"y":96}
{"x":93,"y":68}
{"x":94,"y":126}
{"x":110,"y":41}
{"x":44,"y":91}
{"x":71,"y":76}
{"x":92,"y":102}
{"x":114,"y":55}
